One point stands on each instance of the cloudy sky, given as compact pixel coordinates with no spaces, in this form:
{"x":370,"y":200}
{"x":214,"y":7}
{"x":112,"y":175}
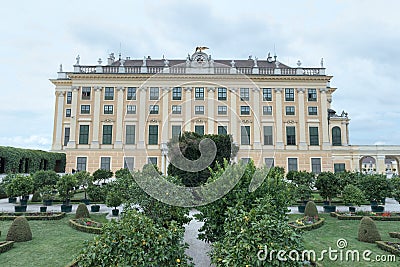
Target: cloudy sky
{"x":359,"y":41}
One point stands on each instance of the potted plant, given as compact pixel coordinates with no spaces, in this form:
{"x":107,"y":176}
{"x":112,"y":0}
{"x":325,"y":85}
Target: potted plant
{"x":84,"y":180}
{"x":47,"y":193}
{"x":21,"y":186}
{"x":328,"y":186}
{"x":352,"y":195}
{"x":375,"y":188}
{"x":102,"y":175}
{"x":65,"y":186}
{"x":113,"y":199}
{"x":8,"y":190}
{"x":96,"y":194}
{"x":303,"y":183}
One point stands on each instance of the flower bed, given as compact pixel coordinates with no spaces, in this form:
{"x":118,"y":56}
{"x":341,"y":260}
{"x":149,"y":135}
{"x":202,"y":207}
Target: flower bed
{"x":378,"y":216}
{"x":86,"y":225}
{"x":392,"y":247}
{"x":40,"y":216}
{"x":6,"y":245}
{"x":307,"y":223}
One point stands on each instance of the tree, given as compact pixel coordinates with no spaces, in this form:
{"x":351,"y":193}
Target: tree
{"x":102,"y":175}
{"x":66,"y":185}
{"x":375,"y":187}
{"x":303,"y":182}
{"x":328,"y":185}
{"x":188,"y":146}
{"x":43,"y":178}
{"x":20,"y":185}
{"x":353,"y":195}
{"x":395,"y":185}
{"x":84,"y":179}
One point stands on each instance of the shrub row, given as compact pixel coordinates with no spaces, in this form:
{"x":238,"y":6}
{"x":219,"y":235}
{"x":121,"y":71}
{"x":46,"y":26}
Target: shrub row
{"x":6,"y":245}
{"x":32,"y":216}
{"x":18,"y":160}
{"x":376,"y":218}
{"x":86,"y":229}
{"x":310,"y":226}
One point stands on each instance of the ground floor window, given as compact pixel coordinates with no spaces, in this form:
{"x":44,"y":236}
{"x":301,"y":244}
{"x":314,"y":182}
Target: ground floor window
{"x":152,"y":160}
{"x":105,"y":163}
{"x":339,"y":167}
{"x":292,"y":164}
{"x":129,"y":163}
{"x":316,"y":165}
{"x":81,"y":163}
{"x":269,"y":162}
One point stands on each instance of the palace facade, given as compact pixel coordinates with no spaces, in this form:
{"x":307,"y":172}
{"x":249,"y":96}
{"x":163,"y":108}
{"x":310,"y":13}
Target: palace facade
{"x":123,"y":113}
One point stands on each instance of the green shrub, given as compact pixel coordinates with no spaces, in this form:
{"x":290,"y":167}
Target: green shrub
{"x":82,"y":211}
{"x":367,"y":231}
{"x":303,"y":182}
{"x":136,"y":240}
{"x":375,"y":186}
{"x":65,"y":186}
{"x":36,"y":197}
{"x":20,"y":230}
{"x":246,"y":233}
{"x":353,"y":195}
{"x":328,"y":185}
{"x":311,"y":209}
{"x":97,"y":193}
{"x":43,"y":178}
{"x":102,"y":175}
{"x":20,"y":185}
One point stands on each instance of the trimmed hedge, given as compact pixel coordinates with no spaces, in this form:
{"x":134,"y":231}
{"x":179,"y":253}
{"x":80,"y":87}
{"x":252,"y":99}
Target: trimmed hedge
{"x":394,"y":234}
{"x":310,"y":226}
{"x":359,"y":217}
{"x":7,"y":216}
{"x":6,"y":245}
{"x":86,"y":229}
{"x":387,"y":247}
{"x":19,"y":231}
{"x":19,"y":160}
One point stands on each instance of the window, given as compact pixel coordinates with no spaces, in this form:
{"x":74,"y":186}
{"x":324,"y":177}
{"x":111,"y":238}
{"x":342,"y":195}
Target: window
{"x":154,"y":93}
{"x":222,"y":130}
{"x":153,"y":134}
{"x":222,"y":93}
{"x":66,"y":135}
{"x":290,"y":135}
{"x":152,"y":160}
{"x":244,"y":110}
{"x":336,"y":136}
{"x":312,"y":111}
{"x":268,"y":137}
{"x":176,"y":132}
{"x":105,"y":163}
{"x":245,"y":135}
{"x":68,"y":113}
{"x":316,"y":165}
{"x":246,"y":160}
{"x":199,"y":129}
{"x":131,"y":94}
{"x":86,"y":93}
{"x":199,"y":93}
{"x":244,"y":94}
{"x":131,"y":109}
{"x":292,"y":164}
{"x":289,"y":94}
{"x":339,"y":167}
{"x":312,"y":94}
{"x":81,"y":163}
{"x":314,"y":139}
{"x":83,"y":134}
{"x":267,"y":110}
{"x":176,"y":109}
{"x":267,"y":94}
{"x":289,"y":110}
{"x":222,"y":110}
{"x":269,"y":162}
{"x":69,"y":97}
{"x":154,"y":109}
{"x":130,"y":134}
{"x":85,"y":109}
{"x":199,"y":110}
{"x":177,"y":93}
{"x":108,"y":109}
{"x":107,"y":134}
{"x":109,"y":93}
{"x":129,"y":163}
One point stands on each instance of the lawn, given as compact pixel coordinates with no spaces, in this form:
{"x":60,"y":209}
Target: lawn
{"x":334,"y":229}
{"x":54,"y":243}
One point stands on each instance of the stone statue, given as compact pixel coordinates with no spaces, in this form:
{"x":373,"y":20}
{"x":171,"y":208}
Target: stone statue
{"x":77,"y":60}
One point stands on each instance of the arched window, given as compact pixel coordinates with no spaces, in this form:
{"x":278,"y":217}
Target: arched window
{"x":336,"y":136}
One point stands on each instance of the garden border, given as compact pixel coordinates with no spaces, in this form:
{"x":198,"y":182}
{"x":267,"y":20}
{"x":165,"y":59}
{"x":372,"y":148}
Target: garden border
{"x":394,"y":234}
{"x":55,"y":216}
{"x":6,"y":246}
{"x":382,"y":245}
{"x":359,"y":217}
{"x":83,"y":228}
{"x":310,"y":226}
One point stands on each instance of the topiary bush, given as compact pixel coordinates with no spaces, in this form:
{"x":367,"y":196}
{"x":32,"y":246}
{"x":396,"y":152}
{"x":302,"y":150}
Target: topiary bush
{"x":367,"y":231}
{"x":82,"y":211}
{"x":311,"y":209}
{"x":135,"y":240}
{"x":19,"y":231}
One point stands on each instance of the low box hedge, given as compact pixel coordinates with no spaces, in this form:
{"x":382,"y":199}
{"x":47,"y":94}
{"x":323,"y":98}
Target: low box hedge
{"x":39,"y":216}
{"x":377,"y":217}
{"x":309,"y":227}
{"x":387,"y":246}
{"x":84,"y":228}
{"x":6,"y":245}
{"x":394,"y":234}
